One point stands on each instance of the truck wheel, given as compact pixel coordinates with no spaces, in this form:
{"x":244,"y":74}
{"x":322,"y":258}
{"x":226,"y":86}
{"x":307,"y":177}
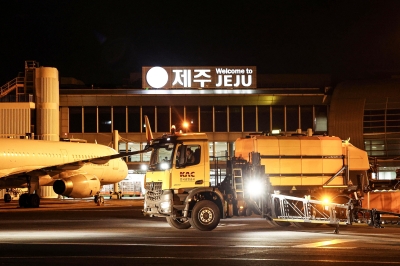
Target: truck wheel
{"x":205,"y":215}
{"x":178,"y":223}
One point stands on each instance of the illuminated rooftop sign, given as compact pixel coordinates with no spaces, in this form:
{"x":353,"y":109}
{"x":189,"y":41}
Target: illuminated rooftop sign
{"x":202,"y":77}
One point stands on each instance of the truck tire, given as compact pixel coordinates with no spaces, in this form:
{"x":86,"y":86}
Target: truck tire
{"x":205,"y":215}
{"x":178,"y":223}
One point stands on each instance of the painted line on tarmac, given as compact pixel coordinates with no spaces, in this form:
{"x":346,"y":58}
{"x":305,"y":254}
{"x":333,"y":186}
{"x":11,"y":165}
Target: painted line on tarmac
{"x":230,"y":225}
{"x":323,"y":244}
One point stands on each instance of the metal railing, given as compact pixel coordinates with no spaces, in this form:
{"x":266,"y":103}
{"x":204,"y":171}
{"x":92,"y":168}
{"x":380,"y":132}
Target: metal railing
{"x":18,"y":136}
{"x":11,"y":85}
{"x":17,"y":98}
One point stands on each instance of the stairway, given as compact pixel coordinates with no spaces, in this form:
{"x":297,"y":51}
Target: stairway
{"x":23,"y":84}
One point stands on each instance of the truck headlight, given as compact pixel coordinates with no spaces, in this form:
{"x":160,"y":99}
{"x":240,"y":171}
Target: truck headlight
{"x":164,"y":166}
{"x":255,"y":187}
{"x":165,"y":206}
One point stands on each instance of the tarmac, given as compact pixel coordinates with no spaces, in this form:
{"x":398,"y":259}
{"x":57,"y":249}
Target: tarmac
{"x":68,"y":203}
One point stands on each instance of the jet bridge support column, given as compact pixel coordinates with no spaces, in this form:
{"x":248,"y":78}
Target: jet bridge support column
{"x":116,"y":193}
{"x":47,"y":103}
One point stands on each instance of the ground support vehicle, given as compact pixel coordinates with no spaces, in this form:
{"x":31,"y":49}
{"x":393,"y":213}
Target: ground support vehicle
{"x":311,"y":213}
{"x":290,"y":173}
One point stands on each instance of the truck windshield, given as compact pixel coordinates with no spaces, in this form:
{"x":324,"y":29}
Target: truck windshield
{"x":161,"y":157}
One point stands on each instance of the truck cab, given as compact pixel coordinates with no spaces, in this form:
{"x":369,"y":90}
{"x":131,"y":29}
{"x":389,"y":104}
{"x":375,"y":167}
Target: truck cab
{"x":178,"y":177}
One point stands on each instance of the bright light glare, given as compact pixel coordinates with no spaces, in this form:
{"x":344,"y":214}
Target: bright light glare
{"x":255,"y":187}
{"x":164,"y":166}
{"x":326,"y":200}
{"x":143,"y":167}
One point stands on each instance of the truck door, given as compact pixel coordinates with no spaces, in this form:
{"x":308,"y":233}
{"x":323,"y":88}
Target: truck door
{"x":189,"y":167}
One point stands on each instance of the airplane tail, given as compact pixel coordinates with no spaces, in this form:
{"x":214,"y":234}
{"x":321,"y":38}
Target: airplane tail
{"x":149,"y":134}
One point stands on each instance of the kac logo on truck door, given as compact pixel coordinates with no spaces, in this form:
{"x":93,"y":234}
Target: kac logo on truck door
{"x":199,"y":77}
{"x":187,"y":176}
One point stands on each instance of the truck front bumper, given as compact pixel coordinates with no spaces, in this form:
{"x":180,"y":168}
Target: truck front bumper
{"x":161,"y":207}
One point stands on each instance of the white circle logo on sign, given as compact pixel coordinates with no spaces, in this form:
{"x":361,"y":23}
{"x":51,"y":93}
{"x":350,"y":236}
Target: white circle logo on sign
{"x":157,"y":77}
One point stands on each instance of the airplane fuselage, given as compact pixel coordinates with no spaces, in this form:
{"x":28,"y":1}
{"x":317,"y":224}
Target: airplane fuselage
{"x":19,"y":156}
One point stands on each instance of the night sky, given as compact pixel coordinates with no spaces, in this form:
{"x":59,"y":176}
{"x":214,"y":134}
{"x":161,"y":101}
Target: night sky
{"x":101,"y":42}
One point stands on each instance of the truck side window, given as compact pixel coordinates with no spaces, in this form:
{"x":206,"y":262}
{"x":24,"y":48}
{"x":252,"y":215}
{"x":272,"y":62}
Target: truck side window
{"x":187,"y":155}
{"x":193,"y":154}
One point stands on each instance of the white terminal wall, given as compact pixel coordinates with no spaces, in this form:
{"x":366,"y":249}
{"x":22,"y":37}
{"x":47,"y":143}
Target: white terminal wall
{"x":15,"y":118}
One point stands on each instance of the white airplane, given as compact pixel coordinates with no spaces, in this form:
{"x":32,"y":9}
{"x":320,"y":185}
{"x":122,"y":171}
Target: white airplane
{"x":75,"y":170}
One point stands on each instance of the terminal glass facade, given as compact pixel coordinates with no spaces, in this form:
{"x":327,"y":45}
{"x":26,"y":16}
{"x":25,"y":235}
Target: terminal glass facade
{"x":206,"y":119}
{"x":220,"y":123}
{"x":382,"y":132}
{"x":235,"y":119}
{"x":104,"y":119}
{"x":192,"y":117}
{"x":90,"y":119}
{"x":163,"y":123}
{"x":134,"y":118}
{"x":119,"y":118}
{"x":75,"y":119}
{"x":177,"y":118}
{"x":209,"y":119}
{"x":249,"y":118}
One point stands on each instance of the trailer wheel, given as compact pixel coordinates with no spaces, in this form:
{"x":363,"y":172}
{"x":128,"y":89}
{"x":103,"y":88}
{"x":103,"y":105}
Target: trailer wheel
{"x":178,"y":223}
{"x":205,"y":215}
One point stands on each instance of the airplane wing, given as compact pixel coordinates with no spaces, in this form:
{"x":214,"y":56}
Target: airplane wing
{"x":105,"y":159}
{"x":98,"y":160}
{"x":71,"y":165}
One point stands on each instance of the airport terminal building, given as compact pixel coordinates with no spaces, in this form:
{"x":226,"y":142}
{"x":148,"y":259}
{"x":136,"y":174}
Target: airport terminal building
{"x":224,"y":104}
